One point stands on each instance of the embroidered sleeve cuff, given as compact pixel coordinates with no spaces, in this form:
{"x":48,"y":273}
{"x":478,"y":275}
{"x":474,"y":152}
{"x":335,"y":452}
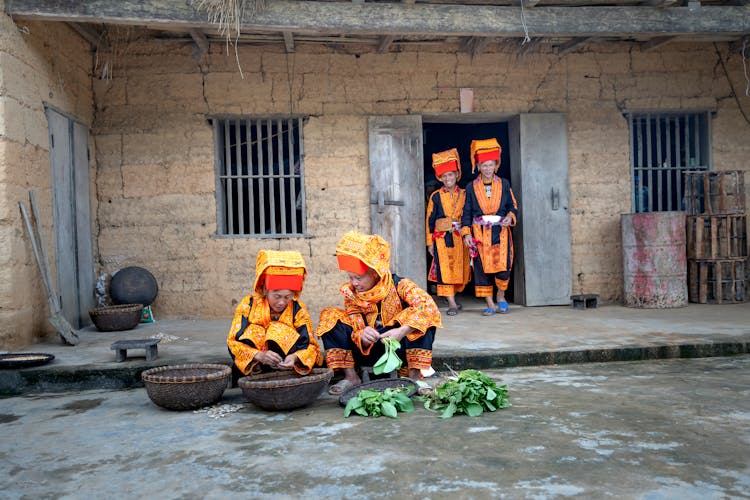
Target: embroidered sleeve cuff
{"x":306,"y":359}
{"x":357,"y":339}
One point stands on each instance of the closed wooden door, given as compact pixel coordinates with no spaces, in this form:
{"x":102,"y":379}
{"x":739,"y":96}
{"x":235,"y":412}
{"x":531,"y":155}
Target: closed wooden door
{"x":71,"y":216}
{"x":540,"y":181}
{"x":397,"y":192}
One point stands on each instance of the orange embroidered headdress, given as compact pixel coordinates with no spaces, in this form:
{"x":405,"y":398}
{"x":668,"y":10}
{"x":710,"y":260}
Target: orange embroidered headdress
{"x":358,"y":251}
{"x":279,"y":270}
{"x":484,"y":150}
{"x":446,"y":161}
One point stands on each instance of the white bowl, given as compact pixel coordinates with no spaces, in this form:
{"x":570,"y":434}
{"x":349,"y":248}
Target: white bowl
{"x":491,"y":219}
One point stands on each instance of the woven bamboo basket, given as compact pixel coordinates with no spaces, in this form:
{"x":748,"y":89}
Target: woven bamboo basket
{"x":116,"y":318}
{"x":186,"y":387}
{"x":284,"y":390}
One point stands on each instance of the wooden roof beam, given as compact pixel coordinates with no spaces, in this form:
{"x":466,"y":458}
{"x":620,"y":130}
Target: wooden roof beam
{"x":398,"y":19}
{"x":660,"y":4}
{"x":572,"y":45}
{"x":656,"y":42}
{"x":200,"y":40}
{"x":475,"y":45}
{"x":289,"y":41}
{"x":385,"y":43}
{"x":90,"y":35}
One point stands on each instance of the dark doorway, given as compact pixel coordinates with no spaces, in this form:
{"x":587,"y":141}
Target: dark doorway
{"x":441,"y":136}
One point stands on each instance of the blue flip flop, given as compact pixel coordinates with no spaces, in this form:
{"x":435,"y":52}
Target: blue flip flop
{"x":488,"y":312}
{"x":503,"y":307}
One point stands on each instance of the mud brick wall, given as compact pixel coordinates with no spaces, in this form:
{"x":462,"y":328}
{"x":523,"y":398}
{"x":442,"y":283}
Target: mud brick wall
{"x":39,"y":63}
{"x":155,"y":156}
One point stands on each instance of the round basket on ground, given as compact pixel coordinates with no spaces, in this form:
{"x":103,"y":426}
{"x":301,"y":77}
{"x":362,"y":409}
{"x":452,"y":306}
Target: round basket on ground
{"x":186,"y":387}
{"x":116,"y":318}
{"x":380,"y":385}
{"x":284,"y":390}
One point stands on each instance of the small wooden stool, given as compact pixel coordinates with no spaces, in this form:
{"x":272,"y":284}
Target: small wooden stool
{"x":121,"y":347}
{"x":587,"y":301}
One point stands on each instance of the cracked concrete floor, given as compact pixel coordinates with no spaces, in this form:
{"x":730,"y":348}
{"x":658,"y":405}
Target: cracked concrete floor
{"x":658,"y":429}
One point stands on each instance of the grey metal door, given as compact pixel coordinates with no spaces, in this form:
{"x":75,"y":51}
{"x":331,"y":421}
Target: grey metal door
{"x":539,"y":171}
{"x":396,"y":192}
{"x":71,"y":216}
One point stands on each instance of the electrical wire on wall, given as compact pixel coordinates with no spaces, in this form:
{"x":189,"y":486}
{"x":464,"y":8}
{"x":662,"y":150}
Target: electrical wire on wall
{"x":526,"y":37}
{"x":729,"y":80}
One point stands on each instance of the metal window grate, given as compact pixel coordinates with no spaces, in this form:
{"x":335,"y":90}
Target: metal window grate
{"x":663,"y":146}
{"x":260,"y":176}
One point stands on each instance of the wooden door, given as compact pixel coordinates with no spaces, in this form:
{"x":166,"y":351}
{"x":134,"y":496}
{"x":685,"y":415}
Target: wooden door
{"x":539,"y":169}
{"x":71,"y":217}
{"x":397,"y":210}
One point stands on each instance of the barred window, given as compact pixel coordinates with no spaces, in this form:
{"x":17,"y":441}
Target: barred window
{"x":663,"y":146}
{"x":260,"y":189}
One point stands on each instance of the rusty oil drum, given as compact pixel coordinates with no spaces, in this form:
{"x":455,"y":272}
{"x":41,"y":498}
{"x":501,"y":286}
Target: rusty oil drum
{"x":654,"y":260}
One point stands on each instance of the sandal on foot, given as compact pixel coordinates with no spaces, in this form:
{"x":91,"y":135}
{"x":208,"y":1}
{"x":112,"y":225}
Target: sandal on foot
{"x":488,"y":312}
{"x":340,"y":387}
{"x":452,"y":311}
{"x":459,"y":306}
{"x":503,"y":307}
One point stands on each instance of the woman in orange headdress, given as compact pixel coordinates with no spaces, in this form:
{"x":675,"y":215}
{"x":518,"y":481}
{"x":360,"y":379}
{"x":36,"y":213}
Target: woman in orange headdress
{"x":450,"y":265}
{"x":377,"y":304}
{"x":489,"y":213}
{"x":271,"y":329}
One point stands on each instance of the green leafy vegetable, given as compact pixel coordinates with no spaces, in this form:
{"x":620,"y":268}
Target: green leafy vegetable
{"x":471,"y":392}
{"x":390,"y":360}
{"x":370,"y":403}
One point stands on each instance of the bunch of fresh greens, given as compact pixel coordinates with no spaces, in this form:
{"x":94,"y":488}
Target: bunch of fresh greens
{"x":370,"y":403}
{"x":390,"y":360}
{"x":471,"y":392}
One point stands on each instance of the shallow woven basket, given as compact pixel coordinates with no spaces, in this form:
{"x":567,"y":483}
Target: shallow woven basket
{"x":186,"y":387}
{"x":284,"y":390}
{"x":116,"y":318}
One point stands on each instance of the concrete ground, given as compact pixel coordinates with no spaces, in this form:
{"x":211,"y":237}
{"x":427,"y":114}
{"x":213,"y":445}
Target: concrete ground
{"x":673,"y":428}
{"x":526,"y":336}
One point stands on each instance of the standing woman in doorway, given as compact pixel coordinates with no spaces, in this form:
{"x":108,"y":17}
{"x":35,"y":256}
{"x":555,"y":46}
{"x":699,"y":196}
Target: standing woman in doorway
{"x":450,"y":264}
{"x":489,"y":213}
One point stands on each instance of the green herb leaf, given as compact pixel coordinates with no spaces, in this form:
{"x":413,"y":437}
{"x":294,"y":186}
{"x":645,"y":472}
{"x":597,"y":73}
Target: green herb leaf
{"x":491,"y":395}
{"x":474,"y":409}
{"x":351,"y":405}
{"x":389,"y":410}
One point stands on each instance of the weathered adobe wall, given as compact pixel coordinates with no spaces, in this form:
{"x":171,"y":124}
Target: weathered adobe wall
{"x":39,"y":63}
{"x":154,"y":149}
